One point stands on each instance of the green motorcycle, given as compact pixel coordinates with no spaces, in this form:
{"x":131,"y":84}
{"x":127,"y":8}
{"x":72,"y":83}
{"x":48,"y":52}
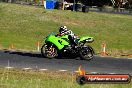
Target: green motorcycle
{"x":61,"y":46}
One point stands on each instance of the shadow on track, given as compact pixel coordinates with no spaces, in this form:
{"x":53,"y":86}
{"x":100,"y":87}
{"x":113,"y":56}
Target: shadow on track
{"x":33,"y":54}
{"x":38,"y":55}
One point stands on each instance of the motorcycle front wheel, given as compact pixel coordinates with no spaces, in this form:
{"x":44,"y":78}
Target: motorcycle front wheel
{"x":49,"y":51}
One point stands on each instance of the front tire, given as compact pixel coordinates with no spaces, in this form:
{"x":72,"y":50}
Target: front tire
{"x":49,"y":51}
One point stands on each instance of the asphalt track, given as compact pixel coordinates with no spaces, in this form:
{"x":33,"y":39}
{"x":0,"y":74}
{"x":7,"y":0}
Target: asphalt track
{"x":36,"y":61}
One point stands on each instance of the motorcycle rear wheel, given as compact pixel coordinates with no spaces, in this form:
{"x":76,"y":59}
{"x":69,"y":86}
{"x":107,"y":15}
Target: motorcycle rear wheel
{"x":86,"y":54}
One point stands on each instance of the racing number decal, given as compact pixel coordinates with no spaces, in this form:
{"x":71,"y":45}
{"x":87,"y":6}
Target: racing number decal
{"x":60,"y":42}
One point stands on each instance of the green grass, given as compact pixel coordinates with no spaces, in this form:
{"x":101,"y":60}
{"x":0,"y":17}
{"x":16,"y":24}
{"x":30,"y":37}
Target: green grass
{"x":32,"y":79}
{"x":25,"y":25}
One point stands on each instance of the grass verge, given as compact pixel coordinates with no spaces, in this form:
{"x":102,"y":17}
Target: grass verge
{"x":24,"y":26}
{"x":34,"y":79}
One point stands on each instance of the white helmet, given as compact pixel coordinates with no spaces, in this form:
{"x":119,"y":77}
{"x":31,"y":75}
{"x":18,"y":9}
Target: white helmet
{"x":63,"y":29}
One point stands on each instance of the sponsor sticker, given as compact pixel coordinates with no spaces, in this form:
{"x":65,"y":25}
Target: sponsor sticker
{"x":84,"y":78}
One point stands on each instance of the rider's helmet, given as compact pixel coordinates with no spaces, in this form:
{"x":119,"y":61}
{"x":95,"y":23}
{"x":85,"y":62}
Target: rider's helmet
{"x":63,"y":29}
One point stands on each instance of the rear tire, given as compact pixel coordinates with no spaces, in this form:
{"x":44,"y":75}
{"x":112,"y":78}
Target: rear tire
{"x":86,"y":54}
{"x":49,"y":51}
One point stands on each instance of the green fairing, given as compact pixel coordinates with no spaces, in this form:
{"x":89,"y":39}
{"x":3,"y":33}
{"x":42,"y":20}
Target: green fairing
{"x":61,"y":41}
{"x":53,"y":39}
{"x":84,"y":38}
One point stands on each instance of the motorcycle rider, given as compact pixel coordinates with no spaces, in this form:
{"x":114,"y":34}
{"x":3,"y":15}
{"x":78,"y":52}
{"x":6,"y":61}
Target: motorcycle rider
{"x":72,"y":37}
